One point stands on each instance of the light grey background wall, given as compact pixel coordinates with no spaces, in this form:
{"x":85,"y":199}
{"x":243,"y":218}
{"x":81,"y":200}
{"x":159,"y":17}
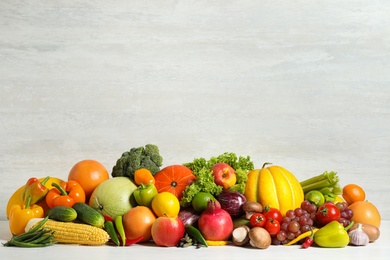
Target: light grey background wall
{"x":302,"y":84}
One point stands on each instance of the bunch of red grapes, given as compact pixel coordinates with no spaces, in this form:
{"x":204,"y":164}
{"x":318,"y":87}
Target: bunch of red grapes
{"x":303,"y":219}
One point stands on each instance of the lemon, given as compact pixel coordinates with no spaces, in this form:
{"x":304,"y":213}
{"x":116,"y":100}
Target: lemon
{"x":165,"y":204}
{"x":199,"y":202}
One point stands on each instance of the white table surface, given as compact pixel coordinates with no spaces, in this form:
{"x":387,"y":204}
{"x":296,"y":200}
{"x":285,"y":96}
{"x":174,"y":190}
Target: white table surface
{"x":377,"y":250}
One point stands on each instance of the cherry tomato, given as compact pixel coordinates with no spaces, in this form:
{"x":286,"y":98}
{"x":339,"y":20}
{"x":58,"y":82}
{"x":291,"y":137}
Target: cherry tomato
{"x":272,"y":213}
{"x":272,"y":226}
{"x":257,"y":220}
{"x":328,"y":212}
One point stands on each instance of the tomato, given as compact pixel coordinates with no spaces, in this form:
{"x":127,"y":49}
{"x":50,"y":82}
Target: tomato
{"x":327,"y":212}
{"x":257,"y":220}
{"x":273,"y":213}
{"x":272,"y":226}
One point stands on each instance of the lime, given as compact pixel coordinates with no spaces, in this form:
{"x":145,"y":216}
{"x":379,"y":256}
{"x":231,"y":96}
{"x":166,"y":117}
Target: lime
{"x":199,"y":202}
{"x":315,"y":197}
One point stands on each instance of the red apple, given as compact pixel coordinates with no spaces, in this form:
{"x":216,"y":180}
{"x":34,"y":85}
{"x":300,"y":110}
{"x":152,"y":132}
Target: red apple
{"x":224,"y":175}
{"x":167,"y":231}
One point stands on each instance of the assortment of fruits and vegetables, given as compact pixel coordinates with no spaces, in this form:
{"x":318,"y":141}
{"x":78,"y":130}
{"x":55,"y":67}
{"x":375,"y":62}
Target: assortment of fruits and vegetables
{"x":219,"y":201}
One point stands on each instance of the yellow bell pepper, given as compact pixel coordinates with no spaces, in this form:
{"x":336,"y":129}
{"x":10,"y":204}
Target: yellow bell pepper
{"x":21,"y":214}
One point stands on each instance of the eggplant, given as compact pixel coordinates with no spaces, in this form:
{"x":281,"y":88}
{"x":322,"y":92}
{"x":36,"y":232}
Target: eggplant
{"x":189,"y":216}
{"x":232,"y":202}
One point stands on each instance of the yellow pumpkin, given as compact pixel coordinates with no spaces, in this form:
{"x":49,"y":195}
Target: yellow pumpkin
{"x":275,"y":187}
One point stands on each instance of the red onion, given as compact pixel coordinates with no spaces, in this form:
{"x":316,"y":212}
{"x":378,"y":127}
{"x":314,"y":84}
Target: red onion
{"x":188,"y":216}
{"x":215,"y":223}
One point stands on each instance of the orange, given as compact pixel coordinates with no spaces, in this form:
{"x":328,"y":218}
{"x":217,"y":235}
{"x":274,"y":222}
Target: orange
{"x":353,"y":193}
{"x":89,"y":174}
{"x":365,"y":212}
{"x":138,"y":222}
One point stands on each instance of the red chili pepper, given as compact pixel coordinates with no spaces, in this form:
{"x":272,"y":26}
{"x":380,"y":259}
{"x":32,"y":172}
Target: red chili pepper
{"x":309,"y":240}
{"x":130,"y":242}
{"x":108,"y":218}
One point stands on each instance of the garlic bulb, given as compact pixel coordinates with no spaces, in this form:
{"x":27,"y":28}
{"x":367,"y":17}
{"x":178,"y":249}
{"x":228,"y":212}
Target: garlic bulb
{"x":358,"y":237}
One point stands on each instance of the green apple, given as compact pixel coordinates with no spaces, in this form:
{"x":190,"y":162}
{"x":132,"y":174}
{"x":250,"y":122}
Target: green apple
{"x":114,"y":197}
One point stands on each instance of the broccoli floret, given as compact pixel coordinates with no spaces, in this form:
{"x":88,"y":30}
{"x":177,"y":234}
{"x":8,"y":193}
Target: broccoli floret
{"x":138,"y":157}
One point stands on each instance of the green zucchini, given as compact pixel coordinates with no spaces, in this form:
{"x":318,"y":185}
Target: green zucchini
{"x":88,"y":215}
{"x":62,"y":213}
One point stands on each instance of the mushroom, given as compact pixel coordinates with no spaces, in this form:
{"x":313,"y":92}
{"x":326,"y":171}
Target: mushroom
{"x":251,"y":207}
{"x":259,"y":238}
{"x":240,"y":235}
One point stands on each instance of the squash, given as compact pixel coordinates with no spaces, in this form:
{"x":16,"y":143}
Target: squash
{"x":174,"y":179}
{"x":275,"y":187}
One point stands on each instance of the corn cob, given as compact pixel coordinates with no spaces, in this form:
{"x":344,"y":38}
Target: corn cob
{"x":76,"y":233}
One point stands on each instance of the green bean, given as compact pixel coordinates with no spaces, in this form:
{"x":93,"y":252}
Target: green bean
{"x":23,"y":244}
{"x":32,"y":236}
{"x":41,"y":223}
{"x":35,"y":237}
{"x":41,"y":239}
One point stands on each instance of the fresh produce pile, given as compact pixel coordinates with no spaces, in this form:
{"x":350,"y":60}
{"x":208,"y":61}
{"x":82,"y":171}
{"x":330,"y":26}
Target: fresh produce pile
{"x":218,"y":201}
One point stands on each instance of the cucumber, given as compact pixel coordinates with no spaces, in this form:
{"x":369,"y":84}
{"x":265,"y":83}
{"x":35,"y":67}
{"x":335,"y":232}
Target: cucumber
{"x":62,"y":213}
{"x":88,"y":215}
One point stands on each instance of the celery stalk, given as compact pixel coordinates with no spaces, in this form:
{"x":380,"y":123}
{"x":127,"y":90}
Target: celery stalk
{"x":326,"y":179}
{"x":337,"y":190}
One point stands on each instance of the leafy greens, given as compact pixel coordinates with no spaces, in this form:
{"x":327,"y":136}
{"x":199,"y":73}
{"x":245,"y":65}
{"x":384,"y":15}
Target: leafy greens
{"x":205,"y":179}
